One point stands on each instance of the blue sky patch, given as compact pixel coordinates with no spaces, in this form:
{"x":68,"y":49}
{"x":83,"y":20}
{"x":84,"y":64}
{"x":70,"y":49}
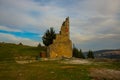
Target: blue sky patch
{"x":32,"y":36}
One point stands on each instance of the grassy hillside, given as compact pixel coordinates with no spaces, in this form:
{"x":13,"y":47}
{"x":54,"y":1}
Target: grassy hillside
{"x":9,"y":51}
{"x":52,"y":70}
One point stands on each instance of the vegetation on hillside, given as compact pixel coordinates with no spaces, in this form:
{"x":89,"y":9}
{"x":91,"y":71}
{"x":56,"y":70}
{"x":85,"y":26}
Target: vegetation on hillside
{"x":78,"y":53}
{"x":9,"y":51}
{"x":51,"y":70}
{"x":90,"y":54}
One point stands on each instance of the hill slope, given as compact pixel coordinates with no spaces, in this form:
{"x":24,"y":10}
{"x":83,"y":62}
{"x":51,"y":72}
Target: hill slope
{"x":9,"y":51}
{"x":113,"y":54}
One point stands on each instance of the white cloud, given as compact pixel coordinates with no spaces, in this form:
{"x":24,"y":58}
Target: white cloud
{"x":9,"y":29}
{"x":99,"y":7}
{"x":17,"y":13}
{"x":90,"y":38}
{"x":81,"y":38}
{"x":13,"y":39}
{"x":96,"y":41}
{"x":90,"y":20}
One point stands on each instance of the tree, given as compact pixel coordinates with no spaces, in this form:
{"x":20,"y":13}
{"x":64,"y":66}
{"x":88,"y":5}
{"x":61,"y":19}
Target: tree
{"x":77,"y":53}
{"x":90,"y":54}
{"x":39,"y":45}
{"x":81,"y":54}
{"x":48,"y":37}
{"x":20,"y":43}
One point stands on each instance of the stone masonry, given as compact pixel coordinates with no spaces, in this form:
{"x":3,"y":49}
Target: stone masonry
{"x":62,"y":45}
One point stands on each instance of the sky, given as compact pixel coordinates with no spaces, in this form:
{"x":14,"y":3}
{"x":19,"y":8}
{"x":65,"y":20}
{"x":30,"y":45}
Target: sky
{"x":94,"y":24}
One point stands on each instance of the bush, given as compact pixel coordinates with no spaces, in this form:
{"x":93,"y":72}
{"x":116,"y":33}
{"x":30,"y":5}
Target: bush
{"x":20,"y":43}
{"x":39,"y":45}
{"x":77,"y":53}
{"x":90,"y":54}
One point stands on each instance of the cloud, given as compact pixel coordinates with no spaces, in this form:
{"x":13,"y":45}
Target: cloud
{"x":13,"y":39}
{"x":96,"y":41}
{"x":21,"y":14}
{"x":9,"y":29}
{"x":87,"y":38}
{"x":92,"y":22}
{"x":99,"y":7}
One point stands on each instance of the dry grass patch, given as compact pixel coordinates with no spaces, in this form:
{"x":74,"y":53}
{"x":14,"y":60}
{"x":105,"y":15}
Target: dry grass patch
{"x":25,"y":61}
{"x":77,"y":61}
{"x":68,"y":67}
{"x":104,"y":74}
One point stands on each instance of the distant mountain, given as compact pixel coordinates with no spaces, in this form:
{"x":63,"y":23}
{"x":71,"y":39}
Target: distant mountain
{"x":112,"y":54}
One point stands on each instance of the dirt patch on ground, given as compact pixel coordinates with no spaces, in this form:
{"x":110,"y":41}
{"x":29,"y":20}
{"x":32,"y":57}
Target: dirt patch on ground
{"x":77,"y":61}
{"x":104,"y":74}
{"x":68,"y":67}
{"x":25,"y":61}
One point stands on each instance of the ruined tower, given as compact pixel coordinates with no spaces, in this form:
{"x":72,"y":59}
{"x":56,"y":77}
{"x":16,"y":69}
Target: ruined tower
{"x":62,"y":45}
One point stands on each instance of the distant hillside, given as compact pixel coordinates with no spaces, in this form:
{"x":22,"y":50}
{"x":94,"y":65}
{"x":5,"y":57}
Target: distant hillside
{"x":9,"y":51}
{"x":112,"y":54}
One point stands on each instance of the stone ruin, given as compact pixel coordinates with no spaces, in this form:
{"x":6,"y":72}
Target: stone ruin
{"x":62,"y":45}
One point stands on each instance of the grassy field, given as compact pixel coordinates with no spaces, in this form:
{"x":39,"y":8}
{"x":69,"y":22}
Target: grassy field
{"x":9,"y":51}
{"x":52,"y":70}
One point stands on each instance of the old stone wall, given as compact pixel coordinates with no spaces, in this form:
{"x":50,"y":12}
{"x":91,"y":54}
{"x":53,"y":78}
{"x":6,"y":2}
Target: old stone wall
{"x":62,"y":45}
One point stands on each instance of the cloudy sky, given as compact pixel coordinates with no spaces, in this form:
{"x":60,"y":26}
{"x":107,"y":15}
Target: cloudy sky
{"x":94,"y":24}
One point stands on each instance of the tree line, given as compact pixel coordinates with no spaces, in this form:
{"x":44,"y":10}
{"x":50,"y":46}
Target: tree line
{"x":79,"y":54}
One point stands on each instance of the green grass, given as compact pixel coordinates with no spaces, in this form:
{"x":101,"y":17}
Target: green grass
{"x":43,"y":70}
{"x":49,"y":70}
{"x":8,"y":51}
